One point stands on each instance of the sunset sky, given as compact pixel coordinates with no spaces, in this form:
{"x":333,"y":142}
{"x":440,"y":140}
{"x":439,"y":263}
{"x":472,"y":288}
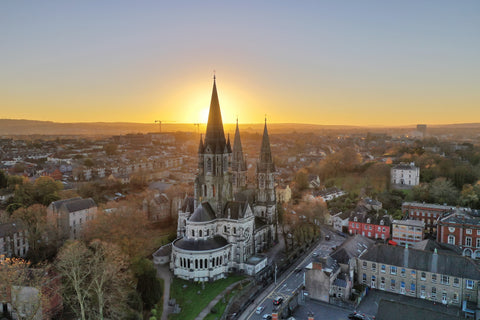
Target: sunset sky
{"x":320,"y":62}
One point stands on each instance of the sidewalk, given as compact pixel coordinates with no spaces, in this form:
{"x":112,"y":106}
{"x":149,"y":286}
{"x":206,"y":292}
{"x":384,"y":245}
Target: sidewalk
{"x":212,"y":303}
{"x":164,"y":273}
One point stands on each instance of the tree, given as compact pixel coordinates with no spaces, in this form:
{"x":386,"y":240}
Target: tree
{"x":3,"y":179}
{"x":46,"y":190}
{"x":34,"y":218}
{"x":96,"y":282}
{"x":443,"y":191}
{"x":148,"y":285}
{"x":301,"y":179}
{"x":110,"y":149}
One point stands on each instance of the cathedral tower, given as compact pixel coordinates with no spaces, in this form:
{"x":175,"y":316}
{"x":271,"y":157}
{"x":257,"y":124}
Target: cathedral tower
{"x":265,"y":175}
{"x":239,"y":165}
{"x":213,"y":183}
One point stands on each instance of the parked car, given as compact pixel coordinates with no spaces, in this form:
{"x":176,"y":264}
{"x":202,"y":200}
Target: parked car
{"x":266,"y":316}
{"x":277,"y":301}
{"x":259,"y":309}
{"x":356,"y":316}
{"x":327,"y":237}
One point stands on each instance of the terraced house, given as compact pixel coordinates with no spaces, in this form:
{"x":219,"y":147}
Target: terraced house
{"x":446,"y":278}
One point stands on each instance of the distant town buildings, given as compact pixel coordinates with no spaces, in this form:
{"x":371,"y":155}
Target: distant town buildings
{"x":373,"y":226}
{"x":405,"y":175}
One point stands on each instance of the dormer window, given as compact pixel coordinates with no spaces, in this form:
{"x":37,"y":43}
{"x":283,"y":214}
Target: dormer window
{"x":355,"y":219}
{"x":381,"y":222}
{"x":368,"y":220}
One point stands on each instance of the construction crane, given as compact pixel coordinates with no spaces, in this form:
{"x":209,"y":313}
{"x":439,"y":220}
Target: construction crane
{"x":198,"y":126}
{"x":160,"y":124}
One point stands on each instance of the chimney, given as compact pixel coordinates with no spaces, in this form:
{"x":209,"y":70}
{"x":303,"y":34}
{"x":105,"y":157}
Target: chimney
{"x":405,"y":256}
{"x":434,"y":261}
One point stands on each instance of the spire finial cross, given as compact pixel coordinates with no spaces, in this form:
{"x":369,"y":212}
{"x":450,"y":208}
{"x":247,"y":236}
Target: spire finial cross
{"x":214,"y":76}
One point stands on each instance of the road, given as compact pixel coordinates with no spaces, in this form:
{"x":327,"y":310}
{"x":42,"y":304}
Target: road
{"x":292,"y":279}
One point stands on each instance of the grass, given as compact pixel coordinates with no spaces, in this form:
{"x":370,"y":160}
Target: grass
{"x":220,"y":306}
{"x":192,"y":299}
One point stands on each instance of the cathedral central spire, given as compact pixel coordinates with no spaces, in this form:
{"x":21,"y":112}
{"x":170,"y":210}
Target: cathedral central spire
{"x":215,"y":136}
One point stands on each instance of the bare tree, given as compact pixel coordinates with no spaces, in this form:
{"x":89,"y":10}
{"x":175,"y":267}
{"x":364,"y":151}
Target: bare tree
{"x":96,"y":279}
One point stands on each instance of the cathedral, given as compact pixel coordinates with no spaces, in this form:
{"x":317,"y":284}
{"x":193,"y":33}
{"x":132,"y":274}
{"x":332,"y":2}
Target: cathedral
{"x":226,"y":224}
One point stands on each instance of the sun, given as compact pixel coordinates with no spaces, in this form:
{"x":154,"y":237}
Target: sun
{"x":203,"y":115}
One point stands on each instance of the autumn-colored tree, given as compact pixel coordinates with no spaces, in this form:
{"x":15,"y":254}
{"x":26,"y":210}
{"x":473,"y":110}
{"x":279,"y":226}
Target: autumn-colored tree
{"x":127,"y":227}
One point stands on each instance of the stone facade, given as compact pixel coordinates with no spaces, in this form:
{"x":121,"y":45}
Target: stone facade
{"x":441,"y":277}
{"x":405,"y":175}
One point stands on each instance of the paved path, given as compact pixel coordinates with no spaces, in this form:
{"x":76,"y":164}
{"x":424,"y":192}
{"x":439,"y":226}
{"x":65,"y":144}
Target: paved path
{"x":164,"y":273}
{"x":212,"y":303}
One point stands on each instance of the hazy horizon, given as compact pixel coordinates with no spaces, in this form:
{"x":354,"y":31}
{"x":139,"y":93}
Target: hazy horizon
{"x":366,"y":64}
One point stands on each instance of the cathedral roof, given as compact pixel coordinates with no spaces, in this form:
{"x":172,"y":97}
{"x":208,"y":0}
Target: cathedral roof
{"x":235,"y":210}
{"x":200,"y":244}
{"x":215,"y":137}
{"x":203,"y":213}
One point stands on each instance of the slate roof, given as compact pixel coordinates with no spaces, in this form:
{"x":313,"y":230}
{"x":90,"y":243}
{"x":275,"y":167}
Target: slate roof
{"x":164,"y":251}
{"x":203,"y":213}
{"x":431,"y":245}
{"x":79,"y":204}
{"x":447,"y":264}
{"x":237,"y":209}
{"x":188,"y":204}
{"x":404,"y":166}
{"x":352,"y":248}
{"x":58,"y":204}
{"x":201,"y":245}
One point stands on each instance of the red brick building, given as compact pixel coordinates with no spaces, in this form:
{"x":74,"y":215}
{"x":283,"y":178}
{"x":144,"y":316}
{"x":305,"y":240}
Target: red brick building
{"x":426,"y":212}
{"x":461,"y":229}
{"x":371,"y":226}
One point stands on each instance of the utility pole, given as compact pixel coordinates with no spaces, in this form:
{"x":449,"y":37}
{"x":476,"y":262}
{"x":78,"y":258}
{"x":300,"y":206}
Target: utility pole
{"x":275,"y":273}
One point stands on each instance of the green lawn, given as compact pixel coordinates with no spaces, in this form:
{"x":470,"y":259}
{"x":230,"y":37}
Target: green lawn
{"x":192,"y":299}
{"x":220,"y":306}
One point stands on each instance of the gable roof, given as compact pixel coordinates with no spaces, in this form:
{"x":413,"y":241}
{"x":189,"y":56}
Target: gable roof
{"x":203,"y":213}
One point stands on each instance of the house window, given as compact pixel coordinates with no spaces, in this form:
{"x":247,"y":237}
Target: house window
{"x":451,"y":239}
{"x":469,"y":284}
{"x":382,"y":268}
{"x":468,"y":241}
{"x":455,"y":297}
{"x":434,"y":293}
{"x":456,"y":282}
{"x":434,"y":278}
{"x":413,"y":273}
{"x":364,"y":265}
{"x":364,"y":278}
{"x":423,"y":276}
{"x":445,"y":280}
{"x":478,"y":242}
{"x":469,"y":231}
{"x":412,"y":287}
{"x":374,"y":267}
{"x":393,"y":270}
{"x":403,"y":272}
{"x":382,"y":283}
{"x":392,"y":284}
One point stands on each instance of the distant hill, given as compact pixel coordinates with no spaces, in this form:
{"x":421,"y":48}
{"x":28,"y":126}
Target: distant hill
{"x":12,"y":127}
